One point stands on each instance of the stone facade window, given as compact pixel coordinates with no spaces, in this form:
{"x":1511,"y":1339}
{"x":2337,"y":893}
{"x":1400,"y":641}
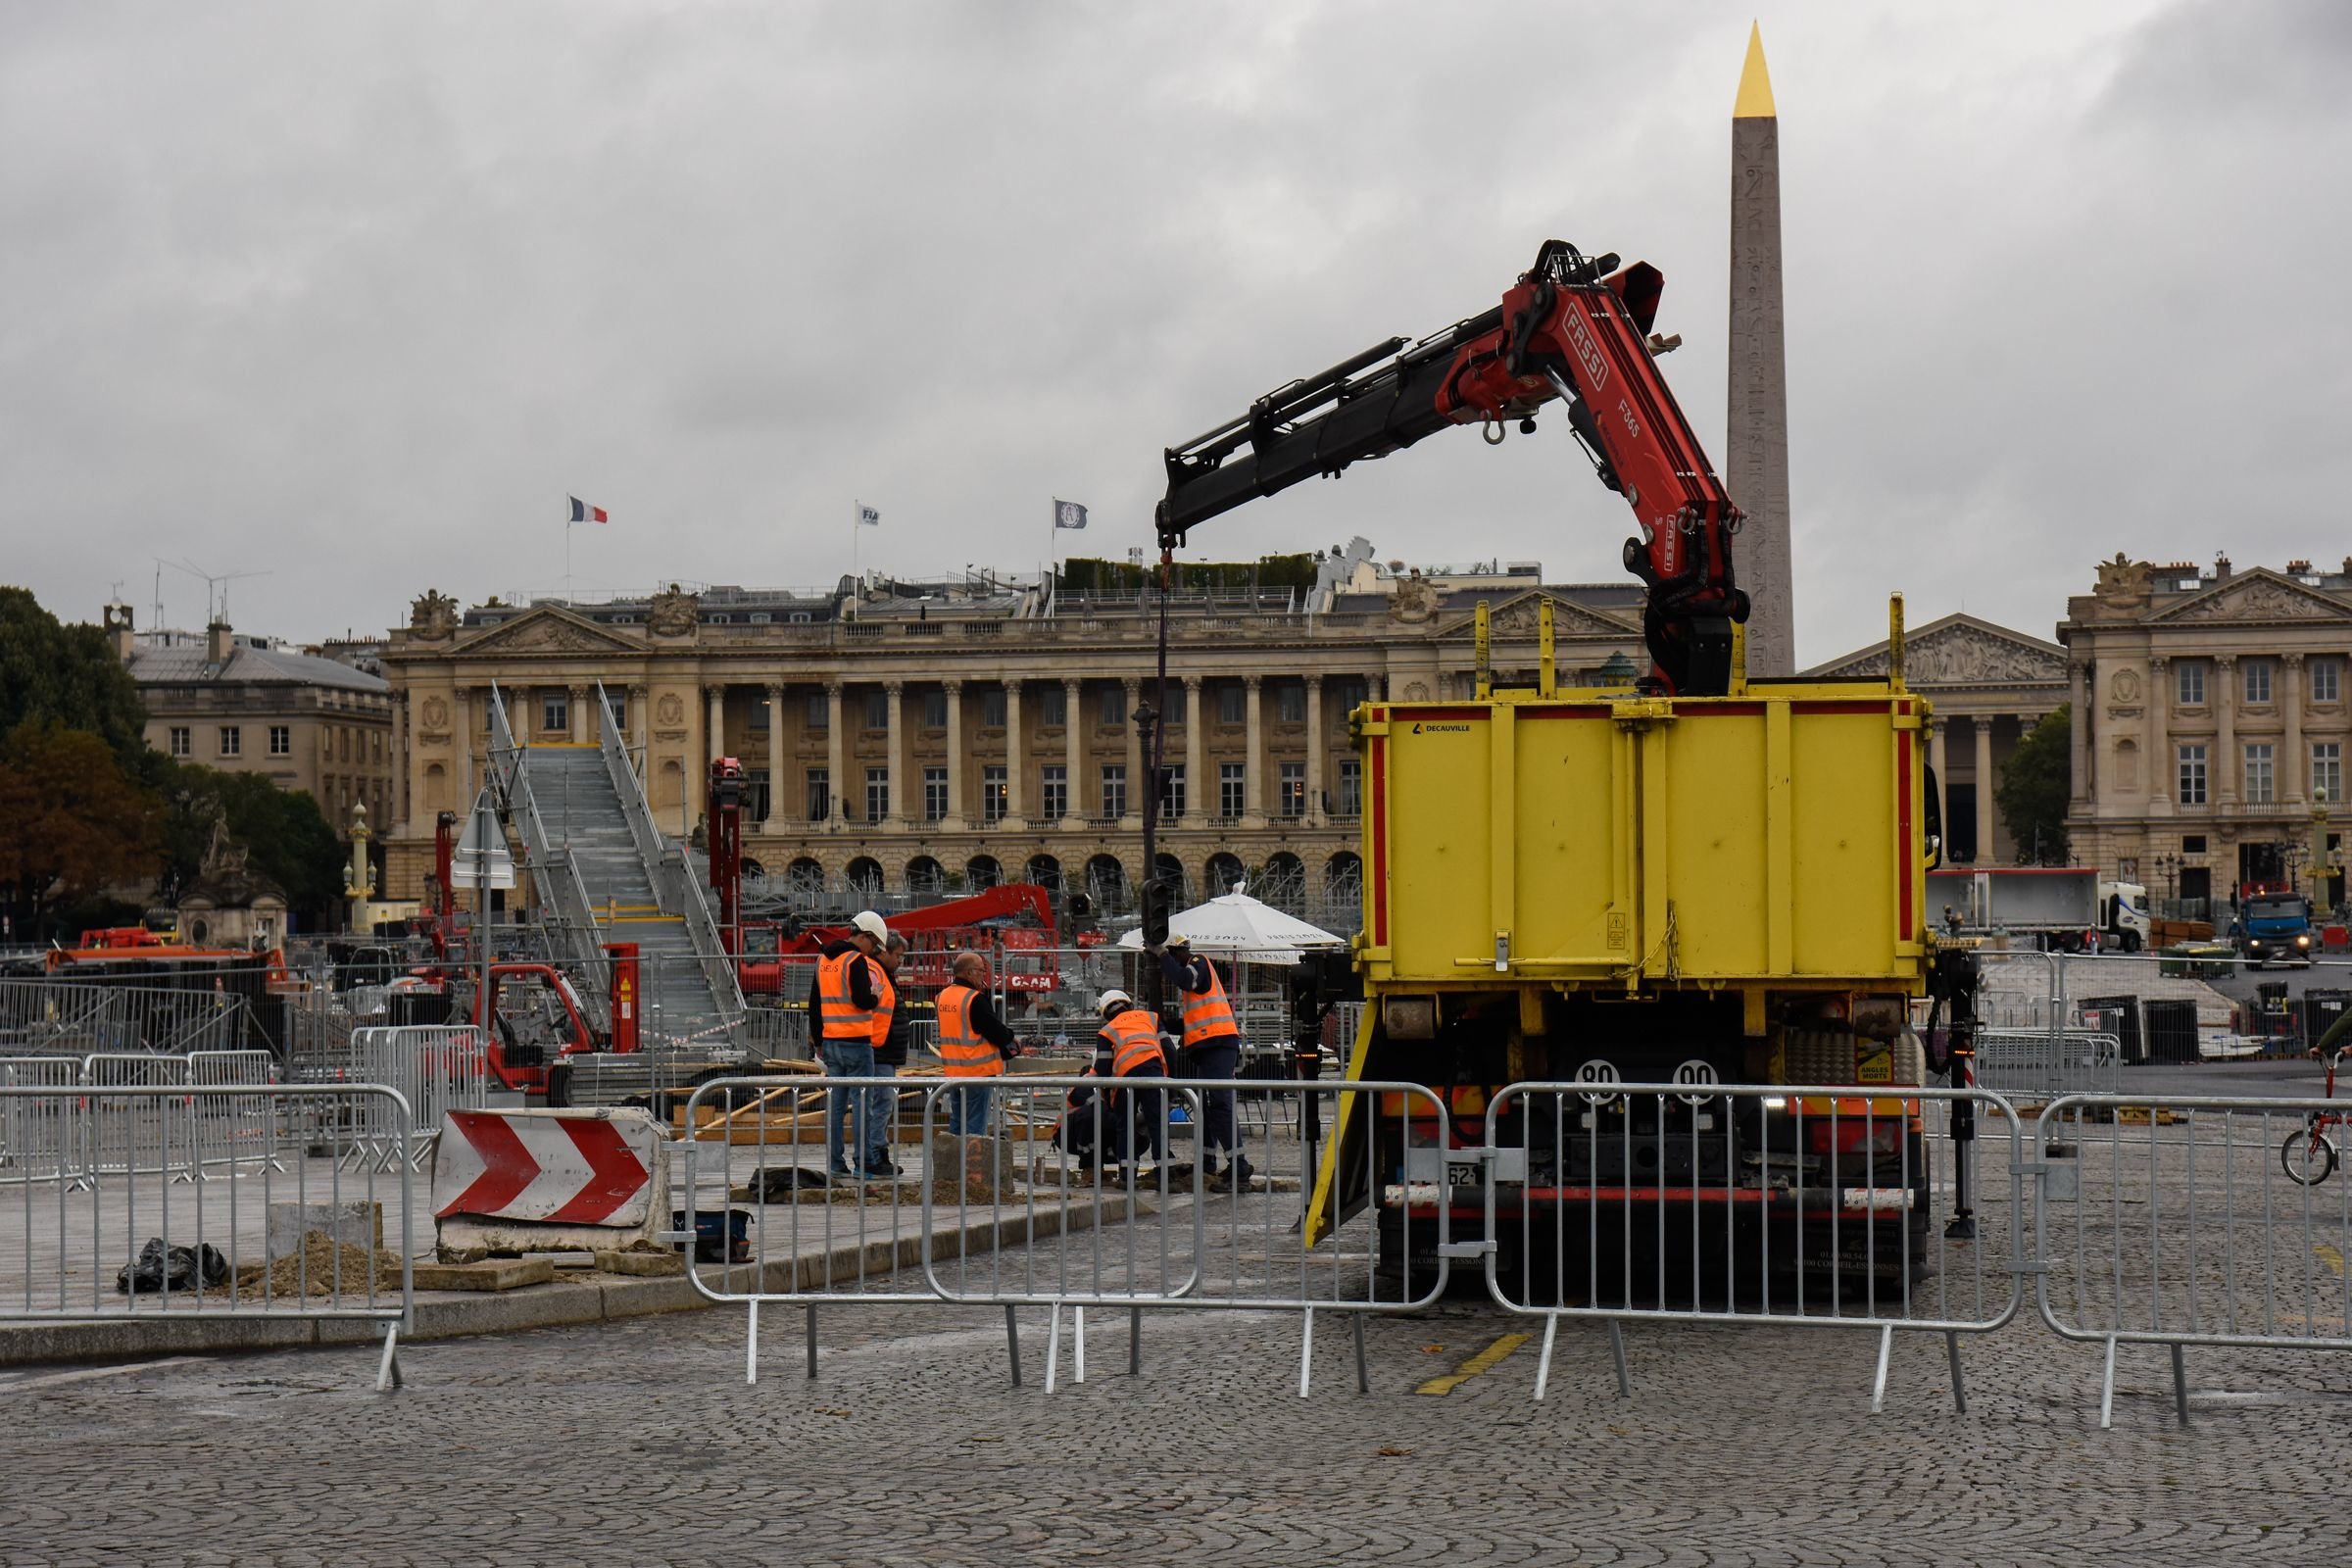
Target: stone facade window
{"x":2261,"y":772}
{"x":935,"y":792}
{"x":2328,"y":770}
{"x":232,"y":741}
{"x":1291,"y":789}
{"x":820,"y":794}
{"x":877,"y":794}
{"x":1114,"y":785}
{"x":1171,"y":792}
{"x":281,"y":741}
{"x":1352,"y":787}
{"x":1289,"y":703}
{"x":1232,"y":789}
{"x":1114,"y":708}
{"x":1053,"y":791}
{"x":2191,"y":687}
{"x":2192,"y":775}
{"x":1054,"y":712}
{"x":179,"y":741}
{"x":2258,"y":680}
{"x":1233,"y":707}
{"x":991,"y":793}
{"x":2328,"y":682}
{"x":935,"y":710}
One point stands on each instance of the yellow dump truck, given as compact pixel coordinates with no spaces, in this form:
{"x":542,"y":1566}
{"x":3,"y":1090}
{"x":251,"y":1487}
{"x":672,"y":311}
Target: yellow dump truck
{"x":1595,"y":886}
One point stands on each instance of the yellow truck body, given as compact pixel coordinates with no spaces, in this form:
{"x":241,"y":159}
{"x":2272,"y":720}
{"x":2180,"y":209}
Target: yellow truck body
{"x":1770,"y":841}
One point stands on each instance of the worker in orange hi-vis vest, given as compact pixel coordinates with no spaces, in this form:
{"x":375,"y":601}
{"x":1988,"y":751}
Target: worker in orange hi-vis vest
{"x":842,"y":1000}
{"x":890,"y":1053}
{"x":973,"y":1044}
{"x":1129,"y":1048}
{"x":1212,"y":1049}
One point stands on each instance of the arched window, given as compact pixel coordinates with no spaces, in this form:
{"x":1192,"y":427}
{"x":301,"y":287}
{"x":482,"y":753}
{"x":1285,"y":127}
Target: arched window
{"x":925,"y":875}
{"x":864,"y":876}
{"x":1224,"y":875}
{"x":804,"y":878}
{"x":1170,"y":870}
{"x":982,"y":871}
{"x":1283,"y":883}
{"x":1342,"y":906}
{"x":1046,"y":872}
{"x":1107,"y":884}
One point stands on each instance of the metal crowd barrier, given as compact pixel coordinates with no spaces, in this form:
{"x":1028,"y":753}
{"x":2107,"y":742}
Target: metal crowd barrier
{"x":39,"y":1141}
{"x":311,"y":1241}
{"x":2214,"y":1222}
{"x":2038,"y":1066}
{"x":1108,"y":1200}
{"x":436,"y":1067}
{"x":232,"y":1129}
{"x":119,"y":1131}
{"x":1840,"y":1206}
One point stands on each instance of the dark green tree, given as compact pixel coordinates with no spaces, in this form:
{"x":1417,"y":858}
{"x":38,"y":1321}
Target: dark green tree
{"x":2035,"y":788}
{"x":285,"y":835}
{"x":73,"y":824}
{"x":65,"y":674}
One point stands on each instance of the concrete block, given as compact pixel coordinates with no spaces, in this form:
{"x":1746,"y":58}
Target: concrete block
{"x":645,"y":1265}
{"x":645,"y":1298}
{"x":496,"y":1274}
{"x":356,"y":1224}
{"x":147,"y":1337}
{"x":554,"y":1306}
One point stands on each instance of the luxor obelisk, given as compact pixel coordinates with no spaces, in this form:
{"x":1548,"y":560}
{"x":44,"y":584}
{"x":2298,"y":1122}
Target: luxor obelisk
{"x":1756,"y":431}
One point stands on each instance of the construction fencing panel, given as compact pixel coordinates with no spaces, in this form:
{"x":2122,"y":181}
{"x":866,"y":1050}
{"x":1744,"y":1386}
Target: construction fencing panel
{"x":436,"y":1068}
{"x":1065,"y":1192}
{"x":2035,"y":1066}
{"x":1838,"y":1206}
{"x":314,"y":1239}
{"x":2180,"y":1220}
{"x":40,"y":1140}
{"x":229,"y":1129}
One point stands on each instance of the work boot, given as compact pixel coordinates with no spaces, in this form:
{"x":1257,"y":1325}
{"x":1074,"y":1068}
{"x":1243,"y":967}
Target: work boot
{"x":881,"y":1165}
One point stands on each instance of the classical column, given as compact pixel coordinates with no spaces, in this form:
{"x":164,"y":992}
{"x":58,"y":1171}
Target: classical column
{"x":1073,"y":722}
{"x":2294,"y":764}
{"x":400,"y":765}
{"x":575,"y":707}
{"x":1134,"y":816}
{"x":1986,"y":854}
{"x":1197,"y":784}
{"x":462,"y":701}
{"x":2078,"y":710}
{"x":836,"y":752}
{"x":775,"y":760}
{"x":1936,"y":763}
{"x":1314,"y":751}
{"x":2161,"y":767}
{"x":2227,"y":768}
{"x":1017,"y":798}
{"x":715,"y":734}
{"x":894,"y":751}
{"x":955,"y":816}
{"x":1254,"y":786}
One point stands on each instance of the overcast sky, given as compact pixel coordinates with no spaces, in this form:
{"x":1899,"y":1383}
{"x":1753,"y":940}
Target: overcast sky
{"x":356,"y":294}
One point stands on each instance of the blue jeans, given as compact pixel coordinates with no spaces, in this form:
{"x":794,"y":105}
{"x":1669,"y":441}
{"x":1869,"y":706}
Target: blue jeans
{"x":848,"y":1059}
{"x":968,"y":1108}
{"x":881,"y":1115}
{"x":1217,"y":1058}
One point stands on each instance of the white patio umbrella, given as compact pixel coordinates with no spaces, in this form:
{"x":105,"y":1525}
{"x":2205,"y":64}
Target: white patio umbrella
{"x":1241,"y":929}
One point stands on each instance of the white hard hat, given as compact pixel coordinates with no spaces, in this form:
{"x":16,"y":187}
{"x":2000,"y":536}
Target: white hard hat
{"x":872,"y":924}
{"x":1116,"y":998}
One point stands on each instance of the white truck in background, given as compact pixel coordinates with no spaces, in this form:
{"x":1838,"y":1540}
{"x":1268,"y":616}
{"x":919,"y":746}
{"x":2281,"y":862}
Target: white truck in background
{"x":2065,"y":908}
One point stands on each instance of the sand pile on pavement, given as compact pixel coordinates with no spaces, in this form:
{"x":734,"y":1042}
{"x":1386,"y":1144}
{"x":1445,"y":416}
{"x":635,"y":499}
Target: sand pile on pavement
{"x":323,"y":1267}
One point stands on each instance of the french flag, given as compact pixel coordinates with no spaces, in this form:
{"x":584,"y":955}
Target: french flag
{"x":582,"y":512}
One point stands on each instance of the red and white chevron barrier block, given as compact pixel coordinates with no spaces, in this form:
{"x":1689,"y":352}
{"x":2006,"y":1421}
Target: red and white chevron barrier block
{"x":555,"y":1167}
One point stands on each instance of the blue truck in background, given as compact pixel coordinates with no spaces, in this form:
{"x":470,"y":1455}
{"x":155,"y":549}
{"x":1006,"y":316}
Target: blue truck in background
{"x":2273,"y":926}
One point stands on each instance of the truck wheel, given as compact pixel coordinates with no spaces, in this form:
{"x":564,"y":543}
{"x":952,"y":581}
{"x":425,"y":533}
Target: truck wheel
{"x":2132,"y":943}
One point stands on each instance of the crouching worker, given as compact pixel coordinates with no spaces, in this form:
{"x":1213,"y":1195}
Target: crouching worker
{"x":1128,"y":1049}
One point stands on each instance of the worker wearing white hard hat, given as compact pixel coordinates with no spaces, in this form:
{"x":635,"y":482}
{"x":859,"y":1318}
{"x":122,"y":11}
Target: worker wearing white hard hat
{"x":1128,"y":1047}
{"x":844,"y":998}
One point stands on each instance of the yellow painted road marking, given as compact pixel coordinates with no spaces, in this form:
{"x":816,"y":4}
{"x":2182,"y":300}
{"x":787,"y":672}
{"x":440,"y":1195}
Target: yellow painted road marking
{"x":2330,"y":1257}
{"x":1484,"y":1360}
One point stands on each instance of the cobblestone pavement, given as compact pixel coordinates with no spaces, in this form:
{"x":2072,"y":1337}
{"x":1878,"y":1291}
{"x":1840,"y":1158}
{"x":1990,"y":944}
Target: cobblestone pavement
{"x":639,"y":1442}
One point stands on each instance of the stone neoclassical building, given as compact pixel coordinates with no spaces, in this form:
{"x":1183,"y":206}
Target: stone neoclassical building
{"x":2210,"y":721}
{"x":953,"y":734}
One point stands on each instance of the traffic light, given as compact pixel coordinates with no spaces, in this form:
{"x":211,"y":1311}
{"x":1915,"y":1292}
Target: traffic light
{"x":1157,"y":899}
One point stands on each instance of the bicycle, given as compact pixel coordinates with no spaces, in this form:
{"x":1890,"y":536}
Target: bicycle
{"x":2309,"y":1156}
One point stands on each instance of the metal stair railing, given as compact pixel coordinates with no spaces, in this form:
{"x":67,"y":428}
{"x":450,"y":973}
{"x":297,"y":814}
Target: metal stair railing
{"x":557,"y":885}
{"x":675,"y":889}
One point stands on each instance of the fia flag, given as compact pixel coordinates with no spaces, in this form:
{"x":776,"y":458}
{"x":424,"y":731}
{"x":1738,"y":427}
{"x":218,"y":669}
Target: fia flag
{"x":867,"y":516}
{"x":582,"y":512}
{"x":1068,"y":514}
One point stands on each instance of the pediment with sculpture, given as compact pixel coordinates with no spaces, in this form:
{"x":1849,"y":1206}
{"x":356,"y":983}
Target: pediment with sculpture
{"x":2258,"y":595}
{"x":1519,"y":618}
{"x":547,"y":630}
{"x":1962,"y":650}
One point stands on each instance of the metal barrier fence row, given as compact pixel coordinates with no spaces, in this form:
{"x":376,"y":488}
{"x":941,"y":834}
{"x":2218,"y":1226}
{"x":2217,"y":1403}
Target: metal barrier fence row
{"x":436,"y":1068}
{"x":303,"y":1234}
{"x":92,"y":1138}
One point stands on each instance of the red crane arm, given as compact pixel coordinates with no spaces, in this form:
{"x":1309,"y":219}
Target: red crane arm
{"x":1573,"y":328}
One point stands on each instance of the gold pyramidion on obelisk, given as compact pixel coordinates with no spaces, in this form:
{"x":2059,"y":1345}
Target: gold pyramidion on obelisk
{"x":1756,"y":430}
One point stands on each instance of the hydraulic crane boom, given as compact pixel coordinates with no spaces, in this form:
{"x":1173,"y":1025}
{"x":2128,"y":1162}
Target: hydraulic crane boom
{"x":1573,"y":328}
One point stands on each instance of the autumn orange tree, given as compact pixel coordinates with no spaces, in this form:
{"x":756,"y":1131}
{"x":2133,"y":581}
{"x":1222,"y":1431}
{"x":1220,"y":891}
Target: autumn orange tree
{"x":72,"y":822}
